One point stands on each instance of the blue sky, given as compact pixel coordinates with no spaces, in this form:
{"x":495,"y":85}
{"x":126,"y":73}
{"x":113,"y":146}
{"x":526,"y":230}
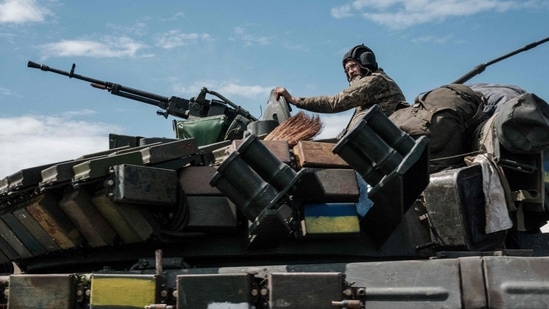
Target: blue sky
{"x":241,"y":49}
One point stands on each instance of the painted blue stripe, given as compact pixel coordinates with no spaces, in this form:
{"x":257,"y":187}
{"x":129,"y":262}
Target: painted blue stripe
{"x":329,"y":210}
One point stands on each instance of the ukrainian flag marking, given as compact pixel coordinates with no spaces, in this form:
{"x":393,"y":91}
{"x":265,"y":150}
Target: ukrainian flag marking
{"x":330,"y":218}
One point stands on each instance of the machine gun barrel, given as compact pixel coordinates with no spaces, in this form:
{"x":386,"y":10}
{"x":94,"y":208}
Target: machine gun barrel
{"x":175,"y":106}
{"x":481,"y":67}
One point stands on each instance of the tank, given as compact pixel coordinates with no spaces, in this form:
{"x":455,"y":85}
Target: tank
{"x":221,"y":216}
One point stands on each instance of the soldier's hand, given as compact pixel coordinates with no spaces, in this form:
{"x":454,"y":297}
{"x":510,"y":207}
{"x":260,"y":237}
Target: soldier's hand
{"x":281,"y":91}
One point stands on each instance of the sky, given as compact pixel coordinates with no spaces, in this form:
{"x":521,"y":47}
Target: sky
{"x":240,"y":49}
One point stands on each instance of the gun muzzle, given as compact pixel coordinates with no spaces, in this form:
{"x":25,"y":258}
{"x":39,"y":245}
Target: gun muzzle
{"x":35,"y":65}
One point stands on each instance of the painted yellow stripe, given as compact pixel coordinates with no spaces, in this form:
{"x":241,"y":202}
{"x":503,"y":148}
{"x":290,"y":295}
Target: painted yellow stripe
{"x":123,"y":291}
{"x":330,"y":225}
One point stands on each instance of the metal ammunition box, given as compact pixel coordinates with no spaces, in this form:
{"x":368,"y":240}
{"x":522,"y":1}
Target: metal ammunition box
{"x":3,"y":258}
{"x":304,"y":290}
{"x":455,"y":202}
{"x":317,"y":154}
{"x":143,"y":185}
{"x":78,"y":206}
{"x":125,"y":219}
{"x":42,"y":291}
{"x":28,"y":240}
{"x":195,"y":180}
{"x":26,"y":177}
{"x":168,"y":151}
{"x":330,"y":186}
{"x":8,"y":251}
{"x":99,"y":167}
{"x":45,"y":210}
{"x":408,"y":284}
{"x":211,"y":213}
{"x":59,"y":173}
{"x":516,"y":282}
{"x":124,"y":291}
{"x":63,"y":171}
{"x":117,"y":140}
{"x":214,"y":291}
{"x":36,"y":230}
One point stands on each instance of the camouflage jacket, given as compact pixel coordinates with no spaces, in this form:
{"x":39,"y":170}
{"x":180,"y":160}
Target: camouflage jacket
{"x":376,"y":88}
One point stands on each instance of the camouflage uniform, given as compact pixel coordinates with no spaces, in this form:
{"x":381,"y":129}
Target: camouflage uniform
{"x":376,"y":88}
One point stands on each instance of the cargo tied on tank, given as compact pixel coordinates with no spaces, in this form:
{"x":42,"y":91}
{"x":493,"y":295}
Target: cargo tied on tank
{"x":240,"y":212}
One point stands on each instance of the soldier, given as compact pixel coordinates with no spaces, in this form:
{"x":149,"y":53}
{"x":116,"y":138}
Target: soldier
{"x":368,"y":85}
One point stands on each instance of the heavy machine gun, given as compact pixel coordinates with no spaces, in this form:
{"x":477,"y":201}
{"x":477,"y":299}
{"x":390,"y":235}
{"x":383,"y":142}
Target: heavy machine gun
{"x":173,"y":105}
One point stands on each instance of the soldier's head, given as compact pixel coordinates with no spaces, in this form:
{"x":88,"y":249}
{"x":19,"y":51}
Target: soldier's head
{"x":360,"y":56}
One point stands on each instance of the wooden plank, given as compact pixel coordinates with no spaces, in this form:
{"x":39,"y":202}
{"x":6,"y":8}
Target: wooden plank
{"x":317,"y":154}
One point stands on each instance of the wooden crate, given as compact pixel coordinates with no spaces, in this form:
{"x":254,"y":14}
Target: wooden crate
{"x":317,"y":154}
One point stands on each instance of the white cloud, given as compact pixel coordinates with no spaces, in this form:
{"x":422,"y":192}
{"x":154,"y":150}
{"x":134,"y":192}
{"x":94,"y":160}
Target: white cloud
{"x":137,"y":29}
{"x":22,"y":11}
{"x":227,"y":89}
{"x":399,"y":14}
{"x":29,"y":141}
{"x":176,"y":38}
{"x":342,"y":11}
{"x":5,"y":91}
{"x":112,"y":47}
{"x":242,"y":35}
{"x":432,"y":39}
{"x":174,"y":17}
{"x":333,"y":124}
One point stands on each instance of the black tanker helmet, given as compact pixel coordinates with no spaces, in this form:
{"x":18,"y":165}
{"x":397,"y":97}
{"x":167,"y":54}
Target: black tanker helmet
{"x":364,"y":56}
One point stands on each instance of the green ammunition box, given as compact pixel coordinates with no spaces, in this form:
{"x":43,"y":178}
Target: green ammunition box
{"x":46,"y":211}
{"x":195,"y":180}
{"x":304,"y":290}
{"x":125,"y":219}
{"x":231,"y":291}
{"x":36,"y":230}
{"x":99,"y":167}
{"x":91,"y":224}
{"x":211,"y":213}
{"x":145,"y":185}
{"x":42,"y":291}
{"x":28,"y":240}
{"x":169,"y":151}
